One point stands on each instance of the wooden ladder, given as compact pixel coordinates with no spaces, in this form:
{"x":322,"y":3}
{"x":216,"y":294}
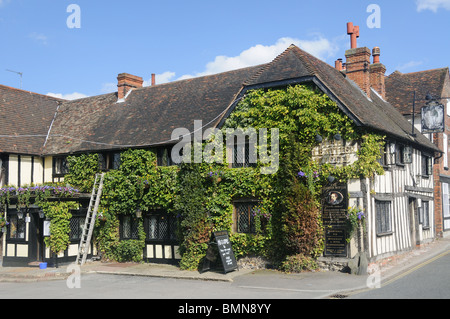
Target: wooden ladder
{"x":89,"y":223}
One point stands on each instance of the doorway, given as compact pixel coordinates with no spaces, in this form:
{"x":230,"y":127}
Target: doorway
{"x":413,"y":221}
{"x":36,"y":246}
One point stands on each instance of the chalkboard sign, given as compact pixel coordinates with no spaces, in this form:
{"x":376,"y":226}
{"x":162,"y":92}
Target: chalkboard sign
{"x":225,"y":251}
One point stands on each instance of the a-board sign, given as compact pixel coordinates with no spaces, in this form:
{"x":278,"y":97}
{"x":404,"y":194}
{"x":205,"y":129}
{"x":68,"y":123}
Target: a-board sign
{"x":225,"y":251}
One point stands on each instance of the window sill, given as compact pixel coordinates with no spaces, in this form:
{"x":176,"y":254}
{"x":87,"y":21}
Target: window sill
{"x":389,"y":233}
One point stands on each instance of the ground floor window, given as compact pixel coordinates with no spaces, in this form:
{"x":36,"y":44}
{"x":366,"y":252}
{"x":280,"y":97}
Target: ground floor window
{"x":76,"y":227}
{"x":16,"y":227}
{"x":245,"y":216}
{"x":160,"y":226}
{"x":383,"y":216}
{"x":425,"y":214}
{"x":129,"y":228}
{"x":446,"y":206}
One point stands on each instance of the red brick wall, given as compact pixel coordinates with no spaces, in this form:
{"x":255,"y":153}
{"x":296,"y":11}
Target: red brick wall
{"x":357,"y":67}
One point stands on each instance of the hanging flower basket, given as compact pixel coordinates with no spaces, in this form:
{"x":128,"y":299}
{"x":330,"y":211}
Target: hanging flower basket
{"x":355,"y":220}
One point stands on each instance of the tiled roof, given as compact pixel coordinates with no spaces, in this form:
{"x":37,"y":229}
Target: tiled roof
{"x":400,"y":88}
{"x":25,"y":119}
{"x":148,"y":115}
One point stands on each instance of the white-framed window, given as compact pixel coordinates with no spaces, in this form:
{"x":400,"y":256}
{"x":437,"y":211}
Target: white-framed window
{"x":446,"y":206}
{"x":448,"y":107}
{"x":424,"y":214}
{"x":445,"y":141}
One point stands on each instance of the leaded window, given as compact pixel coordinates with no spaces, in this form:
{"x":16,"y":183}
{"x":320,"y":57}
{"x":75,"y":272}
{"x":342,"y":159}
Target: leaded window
{"x":16,"y":227}
{"x":383,"y":215}
{"x":244,"y":154}
{"x":130,"y":227}
{"x":407,"y":155}
{"x":160,"y":226}
{"x":76,"y":227}
{"x":245,"y":217}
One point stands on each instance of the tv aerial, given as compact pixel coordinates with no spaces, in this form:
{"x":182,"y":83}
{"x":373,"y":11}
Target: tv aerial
{"x":19,"y":73}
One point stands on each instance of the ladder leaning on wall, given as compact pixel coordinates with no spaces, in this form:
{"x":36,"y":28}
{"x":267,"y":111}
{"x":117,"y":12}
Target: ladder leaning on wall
{"x":89,"y":223}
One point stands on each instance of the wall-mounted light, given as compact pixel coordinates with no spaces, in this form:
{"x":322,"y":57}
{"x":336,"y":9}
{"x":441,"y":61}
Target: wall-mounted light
{"x":19,"y":214}
{"x":138,"y":213}
{"x":41,"y":214}
{"x":331,"y":179}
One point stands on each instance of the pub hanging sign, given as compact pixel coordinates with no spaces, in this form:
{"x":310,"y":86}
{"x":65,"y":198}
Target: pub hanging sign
{"x":433,"y":118}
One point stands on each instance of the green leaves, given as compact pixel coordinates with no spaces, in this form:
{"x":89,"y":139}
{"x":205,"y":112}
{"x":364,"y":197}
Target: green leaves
{"x":59,"y":214}
{"x":82,"y":169}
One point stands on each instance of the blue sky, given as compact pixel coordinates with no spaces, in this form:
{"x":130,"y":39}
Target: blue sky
{"x":180,"y":39}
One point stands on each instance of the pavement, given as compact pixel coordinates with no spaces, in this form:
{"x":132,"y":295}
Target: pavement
{"x":339,"y":283}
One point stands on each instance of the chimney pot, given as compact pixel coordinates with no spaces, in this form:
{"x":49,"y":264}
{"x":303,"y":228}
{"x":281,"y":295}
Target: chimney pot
{"x":338,"y":64}
{"x":153,"y":79}
{"x":376,"y":55}
{"x":353,"y":32}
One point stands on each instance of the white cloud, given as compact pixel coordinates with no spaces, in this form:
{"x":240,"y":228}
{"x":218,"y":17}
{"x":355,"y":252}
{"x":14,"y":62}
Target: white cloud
{"x":320,"y":47}
{"x":259,"y":54}
{"x":70,"y":96}
{"x":108,"y":87}
{"x":432,"y":5}
{"x":409,"y":65}
{"x":38,"y":37}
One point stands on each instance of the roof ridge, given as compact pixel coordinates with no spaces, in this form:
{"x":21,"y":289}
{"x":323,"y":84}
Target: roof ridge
{"x":30,"y":92}
{"x":423,"y":71}
{"x":203,"y":76}
{"x":266,"y":66}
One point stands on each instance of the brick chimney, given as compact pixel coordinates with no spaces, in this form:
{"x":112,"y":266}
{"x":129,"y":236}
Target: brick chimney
{"x":377,"y":73}
{"x":357,"y":61}
{"x":127,"y":82}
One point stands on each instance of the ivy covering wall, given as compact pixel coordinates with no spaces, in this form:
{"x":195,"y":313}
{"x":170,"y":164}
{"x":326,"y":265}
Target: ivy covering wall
{"x":288,"y":222}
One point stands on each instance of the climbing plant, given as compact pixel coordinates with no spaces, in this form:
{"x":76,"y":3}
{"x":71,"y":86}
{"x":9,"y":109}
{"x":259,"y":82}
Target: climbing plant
{"x":302,"y":113}
{"x":59,"y":215}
